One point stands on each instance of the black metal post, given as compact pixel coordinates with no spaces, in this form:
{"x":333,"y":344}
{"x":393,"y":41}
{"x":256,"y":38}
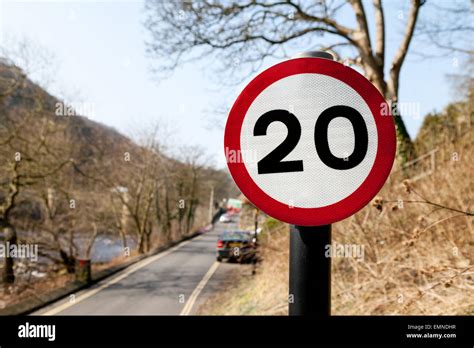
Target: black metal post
{"x":310,"y":271}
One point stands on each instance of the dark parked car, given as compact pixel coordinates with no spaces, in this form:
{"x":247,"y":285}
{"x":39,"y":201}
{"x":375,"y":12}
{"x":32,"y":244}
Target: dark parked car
{"x":236,"y":245}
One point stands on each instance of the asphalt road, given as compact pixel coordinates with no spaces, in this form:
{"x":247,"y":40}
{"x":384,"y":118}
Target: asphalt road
{"x":173,"y":282}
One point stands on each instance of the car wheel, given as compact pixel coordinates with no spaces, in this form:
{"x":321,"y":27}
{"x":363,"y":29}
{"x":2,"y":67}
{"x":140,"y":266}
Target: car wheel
{"x":219,"y":259}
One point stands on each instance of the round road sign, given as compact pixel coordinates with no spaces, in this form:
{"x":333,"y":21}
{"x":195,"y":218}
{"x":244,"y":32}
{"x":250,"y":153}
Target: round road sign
{"x":310,"y":141}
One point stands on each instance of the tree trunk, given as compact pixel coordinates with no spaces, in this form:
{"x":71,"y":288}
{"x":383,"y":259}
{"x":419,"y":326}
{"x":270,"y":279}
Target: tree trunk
{"x":68,"y":261}
{"x":190,"y":216}
{"x":123,"y":237}
{"x":8,"y":263}
{"x":147,"y":239}
{"x":167,"y":224}
{"x":405,"y":147}
{"x":141,"y":243}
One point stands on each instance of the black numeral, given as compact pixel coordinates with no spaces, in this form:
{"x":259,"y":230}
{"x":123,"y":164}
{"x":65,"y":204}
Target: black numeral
{"x":272,"y":163}
{"x":360,"y":135}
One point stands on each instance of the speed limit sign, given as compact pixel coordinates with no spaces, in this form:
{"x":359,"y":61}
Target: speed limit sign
{"x":310,"y":141}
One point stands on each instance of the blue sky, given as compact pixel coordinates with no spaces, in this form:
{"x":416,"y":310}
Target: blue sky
{"x":100,"y":59}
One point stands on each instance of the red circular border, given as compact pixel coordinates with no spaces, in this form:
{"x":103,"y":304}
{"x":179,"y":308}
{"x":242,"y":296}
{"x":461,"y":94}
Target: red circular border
{"x":361,"y":196}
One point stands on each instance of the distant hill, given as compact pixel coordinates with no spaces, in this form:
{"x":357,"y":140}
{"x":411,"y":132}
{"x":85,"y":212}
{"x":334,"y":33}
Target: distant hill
{"x":17,"y":92}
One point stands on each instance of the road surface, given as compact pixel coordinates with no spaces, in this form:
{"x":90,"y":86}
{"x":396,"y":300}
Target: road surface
{"x":173,"y":282}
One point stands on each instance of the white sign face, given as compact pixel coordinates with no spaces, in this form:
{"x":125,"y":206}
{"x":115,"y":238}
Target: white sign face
{"x":317,"y":185}
{"x":314,"y":140}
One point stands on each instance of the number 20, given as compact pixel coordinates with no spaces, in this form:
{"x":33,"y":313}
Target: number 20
{"x":272,"y":163}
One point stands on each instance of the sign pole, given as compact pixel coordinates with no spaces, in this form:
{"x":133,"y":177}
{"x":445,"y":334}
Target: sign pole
{"x":310,"y":271}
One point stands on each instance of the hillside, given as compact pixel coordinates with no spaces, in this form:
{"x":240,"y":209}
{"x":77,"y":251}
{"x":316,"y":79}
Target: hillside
{"x":18,"y":94}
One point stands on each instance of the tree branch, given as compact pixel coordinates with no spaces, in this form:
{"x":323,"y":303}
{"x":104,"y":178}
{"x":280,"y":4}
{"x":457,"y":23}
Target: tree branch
{"x":403,"y":48}
{"x":379,"y":34}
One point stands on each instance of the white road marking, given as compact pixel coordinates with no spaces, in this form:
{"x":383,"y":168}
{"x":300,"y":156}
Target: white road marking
{"x":192,"y":299}
{"x":123,"y":274}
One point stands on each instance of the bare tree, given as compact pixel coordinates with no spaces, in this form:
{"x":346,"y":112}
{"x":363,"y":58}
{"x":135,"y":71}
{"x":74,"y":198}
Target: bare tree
{"x":136,"y":186}
{"x":59,"y":222}
{"x":139,"y":204}
{"x":29,"y":153}
{"x":189,"y":180}
{"x":243,"y":33}
{"x":72,"y":219}
{"x":451,"y":35}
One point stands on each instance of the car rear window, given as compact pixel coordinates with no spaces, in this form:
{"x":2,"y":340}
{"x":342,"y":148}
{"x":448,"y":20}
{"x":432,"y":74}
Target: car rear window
{"x":235,"y":235}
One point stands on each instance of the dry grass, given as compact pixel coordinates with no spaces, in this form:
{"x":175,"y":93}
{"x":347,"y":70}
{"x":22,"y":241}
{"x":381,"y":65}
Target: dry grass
{"x":418,"y":259}
{"x":24,"y":290}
